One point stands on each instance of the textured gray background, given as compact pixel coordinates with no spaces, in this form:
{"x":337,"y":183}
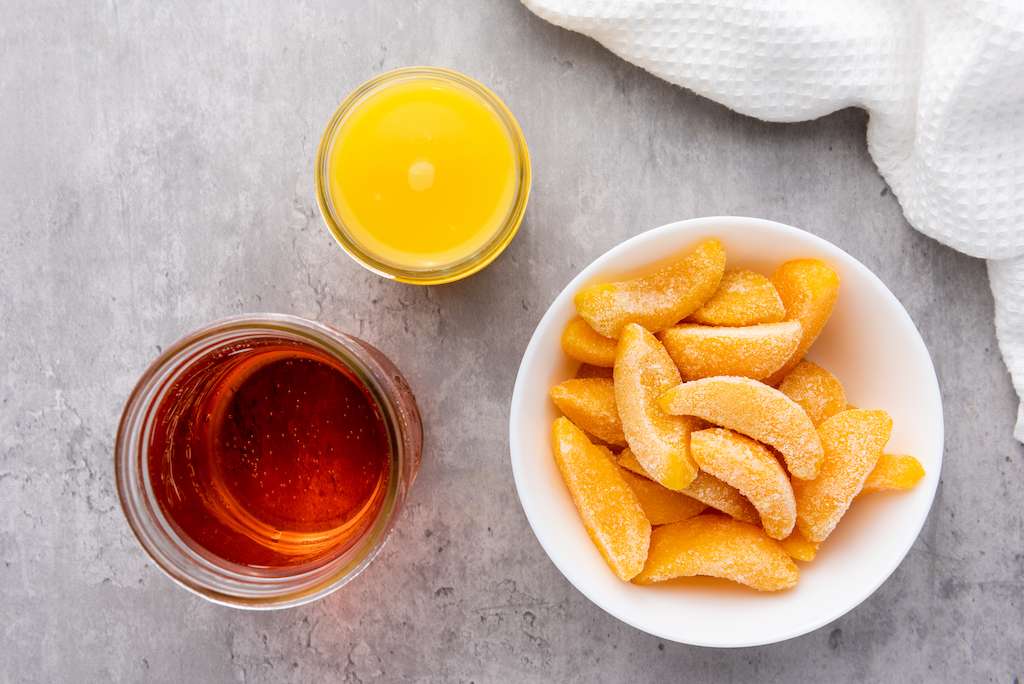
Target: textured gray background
{"x":155,"y":173}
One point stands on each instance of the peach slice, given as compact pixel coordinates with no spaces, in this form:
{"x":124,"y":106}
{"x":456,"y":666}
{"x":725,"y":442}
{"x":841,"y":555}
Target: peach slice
{"x":581,"y":342}
{"x":587,"y":371}
{"x":718,"y":546}
{"x":797,"y":546}
{"x":661,"y":506}
{"x":753,"y":409}
{"x":853,"y":441}
{"x":892,"y":472}
{"x":710,"y":490}
{"x":705,"y":488}
{"x":754,"y":351}
{"x":610,"y":511}
{"x":753,"y":470}
{"x":590,"y":404}
{"x":658,"y":300}
{"x":819,"y":392}
{"x":643,"y":371}
{"x":627,"y":460}
{"x":742,"y":298}
{"x":808,"y":288}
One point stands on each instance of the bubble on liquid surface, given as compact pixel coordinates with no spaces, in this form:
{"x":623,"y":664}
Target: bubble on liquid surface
{"x":421,"y":175}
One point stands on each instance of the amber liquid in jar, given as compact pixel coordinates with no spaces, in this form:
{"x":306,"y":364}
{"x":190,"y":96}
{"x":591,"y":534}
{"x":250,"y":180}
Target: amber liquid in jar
{"x":269,"y":453}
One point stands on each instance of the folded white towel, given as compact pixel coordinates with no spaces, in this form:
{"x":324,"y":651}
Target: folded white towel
{"x":943,"y":82}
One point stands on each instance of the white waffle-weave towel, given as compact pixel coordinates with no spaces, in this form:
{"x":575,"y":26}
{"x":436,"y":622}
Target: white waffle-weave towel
{"x":943,"y":82}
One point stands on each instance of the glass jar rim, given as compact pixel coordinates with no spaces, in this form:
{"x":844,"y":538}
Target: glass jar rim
{"x":199,"y":571}
{"x":467,"y":265}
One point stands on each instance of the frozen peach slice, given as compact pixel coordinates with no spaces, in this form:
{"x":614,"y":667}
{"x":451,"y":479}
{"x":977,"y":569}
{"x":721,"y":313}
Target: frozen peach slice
{"x":661,"y":506}
{"x":587,"y":371}
{"x":710,"y":490}
{"x":705,"y":488}
{"x":892,"y":472}
{"x":753,"y":351}
{"x":643,"y":371}
{"x":658,"y":300}
{"x":718,"y":546}
{"x":808,"y":288}
{"x":742,"y":298}
{"x":627,"y":460}
{"x":853,"y":441}
{"x":754,"y":409}
{"x":590,"y":404}
{"x":610,"y":511}
{"x":819,"y":392}
{"x":581,"y":342}
{"x":753,"y":470}
{"x":799,"y":548}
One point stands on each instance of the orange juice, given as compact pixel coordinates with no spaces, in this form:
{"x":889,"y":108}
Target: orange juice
{"x":423,"y":175}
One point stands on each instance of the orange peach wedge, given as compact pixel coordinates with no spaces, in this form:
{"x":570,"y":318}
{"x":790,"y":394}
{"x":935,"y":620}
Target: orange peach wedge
{"x":853,"y":441}
{"x":610,"y":511}
{"x":627,"y":460}
{"x":587,"y":371}
{"x":808,"y":288}
{"x":643,"y":371}
{"x":819,"y":392}
{"x":658,"y":300}
{"x":742,"y":298}
{"x":661,"y":506}
{"x":797,"y":546}
{"x":581,"y":342}
{"x":705,"y":488}
{"x":753,"y":470}
{"x":892,"y":472}
{"x":718,"y":546}
{"x":753,"y":409}
{"x":754,"y":351}
{"x":590,"y":404}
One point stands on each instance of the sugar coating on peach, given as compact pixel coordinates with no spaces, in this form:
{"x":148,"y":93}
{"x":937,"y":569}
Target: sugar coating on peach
{"x":658,"y":300}
{"x":661,"y":506}
{"x":799,"y":548}
{"x":753,"y":351}
{"x":661,"y":442}
{"x":705,"y":488}
{"x":608,"y":507}
{"x":590,"y":404}
{"x":819,"y":392}
{"x":581,"y":342}
{"x":893,"y":472}
{"x":742,"y":298}
{"x":808,"y":288}
{"x":753,"y":470}
{"x":753,"y":409}
{"x":718,"y":546}
{"x":853,"y":441}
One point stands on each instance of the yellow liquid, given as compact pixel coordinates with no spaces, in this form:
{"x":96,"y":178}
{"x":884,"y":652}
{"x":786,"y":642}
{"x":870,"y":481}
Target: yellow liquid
{"x":422,"y":174}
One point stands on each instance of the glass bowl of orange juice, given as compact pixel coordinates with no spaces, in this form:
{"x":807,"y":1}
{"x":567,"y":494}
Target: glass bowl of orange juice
{"x":423,"y":175}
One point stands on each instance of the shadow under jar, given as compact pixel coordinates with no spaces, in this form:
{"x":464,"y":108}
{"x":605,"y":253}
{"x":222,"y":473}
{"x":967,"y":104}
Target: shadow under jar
{"x":261,"y":461}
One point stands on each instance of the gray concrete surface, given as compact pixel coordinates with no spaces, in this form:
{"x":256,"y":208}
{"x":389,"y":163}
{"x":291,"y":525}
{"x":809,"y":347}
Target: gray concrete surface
{"x":156,"y":173}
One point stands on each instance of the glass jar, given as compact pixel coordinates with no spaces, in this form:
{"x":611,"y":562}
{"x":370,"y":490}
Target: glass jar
{"x":216,"y":578}
{"x":487,"y":243}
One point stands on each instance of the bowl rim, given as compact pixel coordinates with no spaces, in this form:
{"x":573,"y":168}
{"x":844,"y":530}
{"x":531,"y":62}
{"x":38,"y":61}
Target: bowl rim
{"x":707,"y":224}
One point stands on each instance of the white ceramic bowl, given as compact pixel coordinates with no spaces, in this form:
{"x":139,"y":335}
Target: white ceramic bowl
{"x":870,"y":343}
